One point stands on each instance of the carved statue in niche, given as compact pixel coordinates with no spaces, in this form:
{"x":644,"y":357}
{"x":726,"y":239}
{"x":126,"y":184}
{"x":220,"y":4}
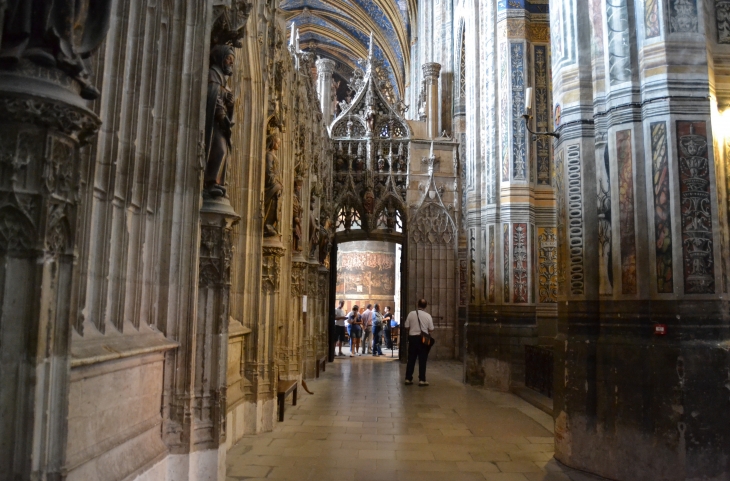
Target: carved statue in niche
{"x":55,"y":34}
{"x":349,"y":128}
{"x":369,"y":201}
{"x":297,"y":216}
{"x":272,"y":187}
{"x":370,"y":117}
{"x":314,"y":233}
{"x":324,"y":241}
{"x":218,"y":120}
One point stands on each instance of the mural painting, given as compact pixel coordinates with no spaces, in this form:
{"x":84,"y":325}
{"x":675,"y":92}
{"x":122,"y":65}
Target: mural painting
{"x":626,"y":212}
{"x":662,"y":210}
{"x":694,"y":194}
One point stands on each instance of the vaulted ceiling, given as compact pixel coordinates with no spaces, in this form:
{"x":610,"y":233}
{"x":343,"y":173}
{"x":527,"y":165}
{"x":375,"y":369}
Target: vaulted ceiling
{"x":340,"y":30}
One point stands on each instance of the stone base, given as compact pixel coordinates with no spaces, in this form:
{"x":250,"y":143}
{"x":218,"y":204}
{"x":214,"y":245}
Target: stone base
{"x":495,"y":346}
{"x":209,"y":465}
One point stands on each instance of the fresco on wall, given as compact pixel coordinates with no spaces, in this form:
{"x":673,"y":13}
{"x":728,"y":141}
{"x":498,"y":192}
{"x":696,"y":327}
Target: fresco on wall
{"x":619,"y":54}
{"x":605,"y":235}
{"x":695,"y":200}
{"x":504,"y":110}
{"x":491,"y":294}
{"x":626,"y":212}
{"x":505,"y":241}
{"x":683,"y":16}
{"x":548,"y":263}
{"x":519,"y":262}
{"x":662,"y":210}
{"x":575,"y":220}
{"x":722,"y":17}
{"x":365,"y":273}
{"x":542,"y":114}
{"x":651,"y":18}
{"x":519,"y":143}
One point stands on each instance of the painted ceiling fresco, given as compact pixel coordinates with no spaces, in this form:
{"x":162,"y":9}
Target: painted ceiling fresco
{"x":340,"y":30}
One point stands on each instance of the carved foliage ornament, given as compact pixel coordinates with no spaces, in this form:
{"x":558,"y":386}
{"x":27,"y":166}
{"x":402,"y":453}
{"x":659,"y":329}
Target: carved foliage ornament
{"x":433,"y":225}
{"x":216,"y":252}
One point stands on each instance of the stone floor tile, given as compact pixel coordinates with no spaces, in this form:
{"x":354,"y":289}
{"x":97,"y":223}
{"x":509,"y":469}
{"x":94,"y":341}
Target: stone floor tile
{"x":505,"y":477}
{"x":364,"y":424}
{"x":248,"y":470}
{"x":375,"y":454}
{"x":518,"y":467}
{"x":482,"y":467}
{"x":414,"y":456}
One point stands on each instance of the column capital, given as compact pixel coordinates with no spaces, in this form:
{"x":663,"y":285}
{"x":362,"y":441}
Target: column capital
{"x":325,"y":66}
{"x":431,"y":71}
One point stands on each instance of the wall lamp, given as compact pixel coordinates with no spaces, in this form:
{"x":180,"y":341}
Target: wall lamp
{"x":528,"y":116}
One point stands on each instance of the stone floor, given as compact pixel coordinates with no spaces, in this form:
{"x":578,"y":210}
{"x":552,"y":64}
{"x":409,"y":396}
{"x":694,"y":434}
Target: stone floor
{"x":363,"y":424}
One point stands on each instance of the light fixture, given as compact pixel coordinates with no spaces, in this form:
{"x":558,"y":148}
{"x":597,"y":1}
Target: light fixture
{"x":528,"y":116}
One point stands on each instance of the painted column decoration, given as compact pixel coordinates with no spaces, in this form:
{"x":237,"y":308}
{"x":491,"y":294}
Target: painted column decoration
{"x":694,"y":192}
{"x":662,"y":208}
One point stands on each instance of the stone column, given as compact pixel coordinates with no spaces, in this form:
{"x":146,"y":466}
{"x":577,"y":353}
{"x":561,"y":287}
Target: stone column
{"x":512,"y":253}
{"x":210,"y":360}
{"x":325,"y":69}
{"x":431,"y":73}
{"x":267,"y":326}
{"x":642,"y":230}
{"x":44,"y":121}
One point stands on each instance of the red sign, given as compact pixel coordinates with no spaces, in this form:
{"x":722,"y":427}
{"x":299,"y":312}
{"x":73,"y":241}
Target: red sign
{"x":660,"y":329}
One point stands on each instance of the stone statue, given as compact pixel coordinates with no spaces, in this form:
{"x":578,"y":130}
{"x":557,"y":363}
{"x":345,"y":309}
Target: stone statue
{"x":313,"y":228}
{"x":324,"y":241}
{"x":370,"y":117}
{"x":272,"y":187}
{"x":297,"y":216}
{"x":55,"y":34}
{"x":218,"y":120}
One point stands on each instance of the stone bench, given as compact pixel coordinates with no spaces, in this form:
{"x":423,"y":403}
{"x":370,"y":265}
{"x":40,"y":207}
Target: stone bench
{"x":284,"y":389}
{"x":321,"y":364}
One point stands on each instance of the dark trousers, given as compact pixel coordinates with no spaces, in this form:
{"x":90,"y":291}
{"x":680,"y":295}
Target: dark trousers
{"x":416,"y":350}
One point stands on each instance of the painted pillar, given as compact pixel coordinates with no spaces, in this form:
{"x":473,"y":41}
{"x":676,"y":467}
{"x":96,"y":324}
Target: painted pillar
{"x":642,"y":231}
{"x":431,"y":72}
{"x":325,"y":69}
{"x":512,"y":250}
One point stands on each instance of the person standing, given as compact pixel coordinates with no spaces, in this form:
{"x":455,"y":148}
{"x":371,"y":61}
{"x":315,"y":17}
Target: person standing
{"x":418,"y":321}
{"x":340,"y":318}
{"x":355,"y":323}
{"x":387,"y":329}
{"x":367,"y":328}
{"x":377,"y":330}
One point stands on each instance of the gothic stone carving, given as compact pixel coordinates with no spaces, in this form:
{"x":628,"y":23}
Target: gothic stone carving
{"x":271,"y":269}
{"x":432,"y":225}
{"x":218,"y":120}
{"x":272,"y":188}
{"x":56,"y":34}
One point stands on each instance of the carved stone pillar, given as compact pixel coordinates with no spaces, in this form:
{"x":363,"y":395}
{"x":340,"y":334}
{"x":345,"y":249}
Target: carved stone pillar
{"x":325,"y":69}
{"x":211,"y":347}
{"x":43,"y":124}
{"x":431,"y":73}
{"x":266,"y":332}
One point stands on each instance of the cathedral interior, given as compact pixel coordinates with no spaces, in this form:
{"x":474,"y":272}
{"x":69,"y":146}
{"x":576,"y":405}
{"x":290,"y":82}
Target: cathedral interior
{"x":189,"y":186}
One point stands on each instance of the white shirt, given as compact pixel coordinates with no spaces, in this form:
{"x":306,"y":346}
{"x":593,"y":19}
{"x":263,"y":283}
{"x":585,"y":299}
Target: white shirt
{"x":414,"y":329}
{"x":339,"y":313}
{"x":367,"y":318}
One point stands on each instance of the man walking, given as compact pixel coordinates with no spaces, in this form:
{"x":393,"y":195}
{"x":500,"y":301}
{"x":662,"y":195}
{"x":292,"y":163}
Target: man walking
{"x":340,"y":326}
{"x":355,"y":322}
{"x":377,"y":330}
{"x":367,"y":328}
{"x":418,"y":321}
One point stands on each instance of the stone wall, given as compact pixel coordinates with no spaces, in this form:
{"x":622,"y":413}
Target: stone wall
{"x":156,"y":352}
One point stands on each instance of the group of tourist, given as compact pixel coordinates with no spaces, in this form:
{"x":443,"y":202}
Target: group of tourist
{"x":372,"y":324}
{"x":366,"y":330}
